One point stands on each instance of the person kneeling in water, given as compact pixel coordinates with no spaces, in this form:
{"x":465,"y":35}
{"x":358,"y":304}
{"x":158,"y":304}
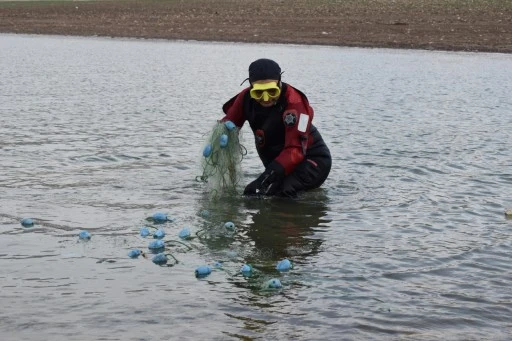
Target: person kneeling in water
{"x":292,"y":150}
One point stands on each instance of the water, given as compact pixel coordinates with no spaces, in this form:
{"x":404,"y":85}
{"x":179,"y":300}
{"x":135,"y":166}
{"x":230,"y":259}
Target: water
{"x":407,"y":239}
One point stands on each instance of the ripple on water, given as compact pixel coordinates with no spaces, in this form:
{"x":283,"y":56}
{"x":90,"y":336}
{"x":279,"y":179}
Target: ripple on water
{"x":406,"y":239}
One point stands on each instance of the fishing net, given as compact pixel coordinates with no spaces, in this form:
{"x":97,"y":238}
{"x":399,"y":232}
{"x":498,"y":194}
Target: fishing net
{"x":222,"y":157}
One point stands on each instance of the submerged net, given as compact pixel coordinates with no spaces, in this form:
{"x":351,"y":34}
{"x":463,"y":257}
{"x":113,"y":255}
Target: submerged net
{"x":222,"y":157}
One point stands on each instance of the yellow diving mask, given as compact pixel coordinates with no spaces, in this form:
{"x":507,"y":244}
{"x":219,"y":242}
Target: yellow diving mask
{"x":265,"y":91}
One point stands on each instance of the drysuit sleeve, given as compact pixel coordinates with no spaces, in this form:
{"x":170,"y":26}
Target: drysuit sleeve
{"x":234,"y":109}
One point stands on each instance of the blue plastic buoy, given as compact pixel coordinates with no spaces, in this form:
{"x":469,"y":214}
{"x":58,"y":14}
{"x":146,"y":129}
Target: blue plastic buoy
{"x":246,"y":269}
{"x":229,"y":125}
{"x":134,"y":253}
{"x":203,"y":271}
{"x":284,"y":265}
{"x":207,"y":151}
{"x":144,"y":231}
{"x":229,"y":226}
{"x":156,"y":245}
{"x":184,"y":233}
{"x":160,"y":259}
{"x":84,"y":235}
{"x":204,"y":213}
{"x":223,"y":141}
{"x":273,"y":283}
{"x":27,"y":222}
{"x":159,"y":217}
{"x":159,"y":234}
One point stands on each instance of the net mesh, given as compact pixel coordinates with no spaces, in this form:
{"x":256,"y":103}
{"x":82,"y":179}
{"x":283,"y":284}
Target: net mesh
{"x":222,"y":158}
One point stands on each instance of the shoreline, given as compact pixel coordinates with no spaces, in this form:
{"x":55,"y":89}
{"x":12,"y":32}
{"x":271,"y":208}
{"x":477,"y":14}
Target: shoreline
{"x":446,"y":25}
{"x":181,"y":40}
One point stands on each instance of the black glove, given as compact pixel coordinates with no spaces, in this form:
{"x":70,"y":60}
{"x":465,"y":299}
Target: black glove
{"x":268,"y":182}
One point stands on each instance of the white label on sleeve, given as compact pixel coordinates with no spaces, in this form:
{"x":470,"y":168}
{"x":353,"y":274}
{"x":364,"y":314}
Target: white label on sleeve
{"x":303,"y":123}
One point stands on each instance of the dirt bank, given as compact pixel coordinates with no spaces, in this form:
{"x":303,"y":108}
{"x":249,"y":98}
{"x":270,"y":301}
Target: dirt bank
{"x":462,"y":25}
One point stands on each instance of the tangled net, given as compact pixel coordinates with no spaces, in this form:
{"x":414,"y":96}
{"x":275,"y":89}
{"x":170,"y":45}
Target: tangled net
{"x":222,"y":158}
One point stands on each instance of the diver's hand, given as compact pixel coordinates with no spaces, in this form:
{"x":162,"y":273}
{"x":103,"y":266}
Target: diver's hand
{"x":268,"y":182}
{"x":263,"y":185}
{"x":253,"y":188}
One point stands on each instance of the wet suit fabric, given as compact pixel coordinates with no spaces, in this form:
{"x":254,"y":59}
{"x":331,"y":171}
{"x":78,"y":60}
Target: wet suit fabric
{"x":286,"y":140}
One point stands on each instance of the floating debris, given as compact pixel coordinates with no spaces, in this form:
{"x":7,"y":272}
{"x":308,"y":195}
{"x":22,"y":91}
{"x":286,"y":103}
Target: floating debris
{"x":508,"y":213}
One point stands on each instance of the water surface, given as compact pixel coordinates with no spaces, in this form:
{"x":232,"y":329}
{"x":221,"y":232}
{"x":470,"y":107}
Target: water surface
{"x":407,"y":239}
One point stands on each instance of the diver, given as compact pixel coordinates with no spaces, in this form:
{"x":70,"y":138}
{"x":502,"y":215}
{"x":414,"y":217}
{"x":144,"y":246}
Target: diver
{"x":290,"y":147}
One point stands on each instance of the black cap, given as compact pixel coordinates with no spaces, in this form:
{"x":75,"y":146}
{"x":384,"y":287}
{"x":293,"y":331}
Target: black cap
{"x":264,"y":69}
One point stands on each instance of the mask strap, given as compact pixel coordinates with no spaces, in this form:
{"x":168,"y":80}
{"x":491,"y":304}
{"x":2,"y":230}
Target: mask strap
{"x":245,"y":80}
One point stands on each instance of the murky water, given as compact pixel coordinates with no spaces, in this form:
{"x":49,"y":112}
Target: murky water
{"x":407,"y":239}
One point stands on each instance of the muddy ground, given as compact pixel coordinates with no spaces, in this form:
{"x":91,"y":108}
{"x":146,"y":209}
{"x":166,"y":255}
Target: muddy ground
{"x":460,"y":25}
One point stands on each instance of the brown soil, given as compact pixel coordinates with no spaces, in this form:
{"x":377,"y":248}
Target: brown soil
{"x":463,"y":25}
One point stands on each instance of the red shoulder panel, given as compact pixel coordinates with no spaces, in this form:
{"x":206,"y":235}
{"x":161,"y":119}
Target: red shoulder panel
{"x":297,"y":119}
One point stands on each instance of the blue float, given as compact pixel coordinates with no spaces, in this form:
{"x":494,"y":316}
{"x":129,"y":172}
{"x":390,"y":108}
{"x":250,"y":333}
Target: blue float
{"x":207,"y":151}
{"x":160,"y":259}
{"x":134,"y":253}
{"x":229,"y":226}
{"x":159,"y":234}
{"x":246,"y":269}
{"x":144,"y":231}
{"x":27,"y":222}
{"x":229,"y":125}
{"x":84,"y":235}
{"x":273,"y":283}
{"x":156,"y":245}
{"x":223,"y":141}
{"x":184,"y":233}
{"x":160,"y":217}
{"x":284,"y":265}
{"x":203,"y":271}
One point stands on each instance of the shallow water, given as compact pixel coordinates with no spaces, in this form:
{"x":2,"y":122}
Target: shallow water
{"x":407,"y":239}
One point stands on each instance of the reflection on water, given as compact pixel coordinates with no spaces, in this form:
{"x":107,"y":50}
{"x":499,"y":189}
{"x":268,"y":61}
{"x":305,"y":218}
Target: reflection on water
{"x":267,"y":231}
{"x":285,"y":228}
{"x":407,"y":239}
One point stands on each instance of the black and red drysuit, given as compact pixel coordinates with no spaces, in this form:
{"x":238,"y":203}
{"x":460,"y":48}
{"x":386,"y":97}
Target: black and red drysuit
{"x":292,"y":150}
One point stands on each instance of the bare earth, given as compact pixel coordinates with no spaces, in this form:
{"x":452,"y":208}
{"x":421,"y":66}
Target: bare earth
{"x":459,"y":25}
